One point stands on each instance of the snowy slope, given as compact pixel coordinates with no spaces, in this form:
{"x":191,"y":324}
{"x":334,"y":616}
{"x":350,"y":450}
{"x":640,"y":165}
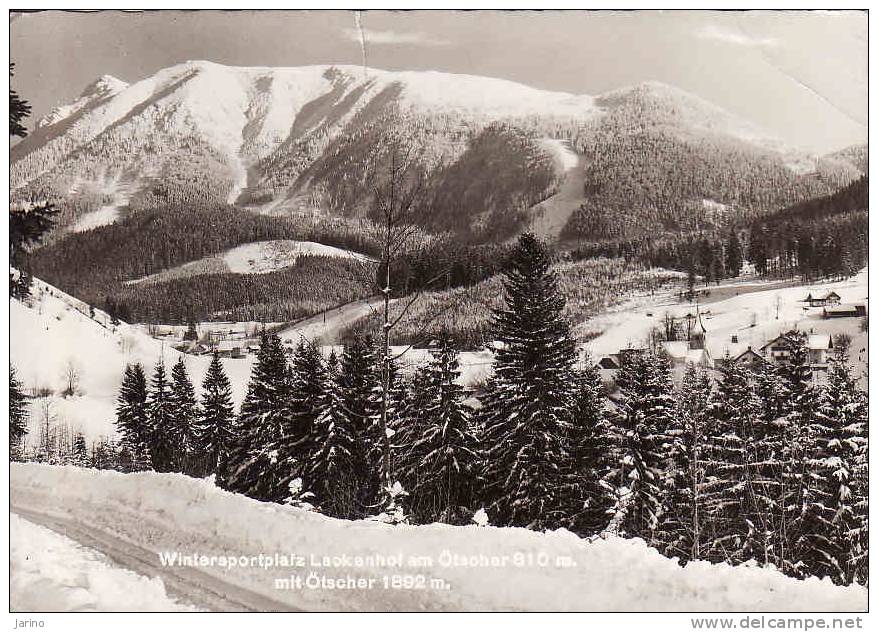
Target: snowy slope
{"x":258,"y":257}
{"x":51,"y":573}
{"x":56,"y":330}
{"x":463,"y":568}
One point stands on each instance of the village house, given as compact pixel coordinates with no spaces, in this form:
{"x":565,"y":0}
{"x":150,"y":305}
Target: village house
{"x":830,"y":298}
{"x":856,"y":310}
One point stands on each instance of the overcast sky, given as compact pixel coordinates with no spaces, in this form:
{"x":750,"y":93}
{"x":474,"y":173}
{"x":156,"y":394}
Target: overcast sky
{"x":800,"y":75}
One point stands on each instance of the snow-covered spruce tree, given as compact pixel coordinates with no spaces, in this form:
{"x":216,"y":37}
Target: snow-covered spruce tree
{"x":831,"y":520}
{"x":79,"y":452}
{"x":132,"y":421}
{"x":646,"y":408}
{"x":359,"y":381}
{"x":331,"y":468}
{"x":860,"y":487}
{"x":214,"y":424}
{"x":295,"y":447}
{"x":530,"y":404}
{"x":445,"y":453}
{"x":767,"y":458}
{"x":250,"y":468}
{"x":160,"y":415}
{"x":740,"y":527}
{"x":591,"y":446}
{"x":684,"y":526}
{"x":18,"y":416}
{"x":184,"y":410}
{"x":798,"y":446}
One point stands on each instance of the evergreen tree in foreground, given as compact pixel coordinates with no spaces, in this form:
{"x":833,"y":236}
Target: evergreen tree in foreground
{"x":839,"y":429}
{"x":160,"y":415}
{"x":184,"y":410}
{"x":132,"y":422}
{"x":589,"y":490}
{"x":646,"y":414}
{"x":331,"y":471}
{"x":685,"y":523}
{"x":250,"y":468}
{"x":212,"y":432}
{"x":529,"y":407}
{"x":444,"y":453}
{"x":295,"y":446}
{"x":741,"y":526}
{"x":359,"y":382}
{"x":18,"y":415}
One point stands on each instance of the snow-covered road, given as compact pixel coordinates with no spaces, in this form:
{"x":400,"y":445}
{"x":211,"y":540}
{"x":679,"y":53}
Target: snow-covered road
{"x":133,"y":518}
{"x":187,"y":588}
{"x":53,"y":573}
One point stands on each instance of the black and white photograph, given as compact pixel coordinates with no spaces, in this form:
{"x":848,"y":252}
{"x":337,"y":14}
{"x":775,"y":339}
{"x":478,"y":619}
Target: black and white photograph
{"x":438,"y":310}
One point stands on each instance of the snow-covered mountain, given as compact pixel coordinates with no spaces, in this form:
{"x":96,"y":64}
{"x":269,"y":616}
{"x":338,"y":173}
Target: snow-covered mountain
{"x":281,"y":139}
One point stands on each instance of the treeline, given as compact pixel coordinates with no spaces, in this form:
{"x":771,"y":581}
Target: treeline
{"x":590,"y":286}
{"x":309,"y":286}
{"x":823,"y":237}
{"x":649,"y":170}
{"x":761,"y":467}
{"x":94,"y":264}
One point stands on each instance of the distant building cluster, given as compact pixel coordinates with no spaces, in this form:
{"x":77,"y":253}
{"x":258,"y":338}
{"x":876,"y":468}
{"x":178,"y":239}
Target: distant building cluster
{"x":696,"y":352}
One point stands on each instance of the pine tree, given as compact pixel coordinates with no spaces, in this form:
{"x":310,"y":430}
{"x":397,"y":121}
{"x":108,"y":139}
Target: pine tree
{"x":132,"y":421}
{"x":212,"y":432}
{"x":80,"y":451}
{"x":734,"y":255}
{"x":830,"y":545}
{"x":19,"y":109}
{"x":332,"y":470}
{"x":685,"y":523}
{"x":740,"y":527}
{"x":530,"y":405}
{"x":767,"y":463}
{"x":359,"y":381}
{"x":160,"y":413}
{"x":445,"y":453}
{"x":646,"y":409}
{"x":251,"y":466}
{"x":798,"y":446}
{"x":26,"y":225}
{"x":295,"y":447}
{"x":18,"y":415}
{"x":184,"y":411}
{"x":590,"y":491}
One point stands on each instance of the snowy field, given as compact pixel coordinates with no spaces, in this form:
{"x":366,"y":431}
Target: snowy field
{"x":753,"y":317}
{"x":462,"y":568}
{"x":258,"y":257}
{"x":52,"y":573}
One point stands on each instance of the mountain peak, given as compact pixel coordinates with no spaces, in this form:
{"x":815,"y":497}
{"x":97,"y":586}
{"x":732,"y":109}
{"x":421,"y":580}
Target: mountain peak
{"x":104,"y":85}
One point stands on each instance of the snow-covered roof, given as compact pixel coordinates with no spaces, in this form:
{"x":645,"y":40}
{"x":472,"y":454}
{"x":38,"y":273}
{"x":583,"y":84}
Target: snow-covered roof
{"x":818,"y":342}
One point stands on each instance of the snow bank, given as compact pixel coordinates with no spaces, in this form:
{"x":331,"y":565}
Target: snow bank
{"x":51,"y":573}
{"x":463,"y":568}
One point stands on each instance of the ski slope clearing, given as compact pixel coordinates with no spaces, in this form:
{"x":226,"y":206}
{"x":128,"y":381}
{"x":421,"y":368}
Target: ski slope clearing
{"x":551,"y":215}
{"x":462,"y":568}
{"x":52,"y":573}
{"x":259,"y":257}
{"x":55,"y":333}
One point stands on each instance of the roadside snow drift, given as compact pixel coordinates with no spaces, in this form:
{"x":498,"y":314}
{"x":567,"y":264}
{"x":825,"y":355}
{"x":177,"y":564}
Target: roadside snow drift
{"x":51,"y":573}
{"x":449,"y":568}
